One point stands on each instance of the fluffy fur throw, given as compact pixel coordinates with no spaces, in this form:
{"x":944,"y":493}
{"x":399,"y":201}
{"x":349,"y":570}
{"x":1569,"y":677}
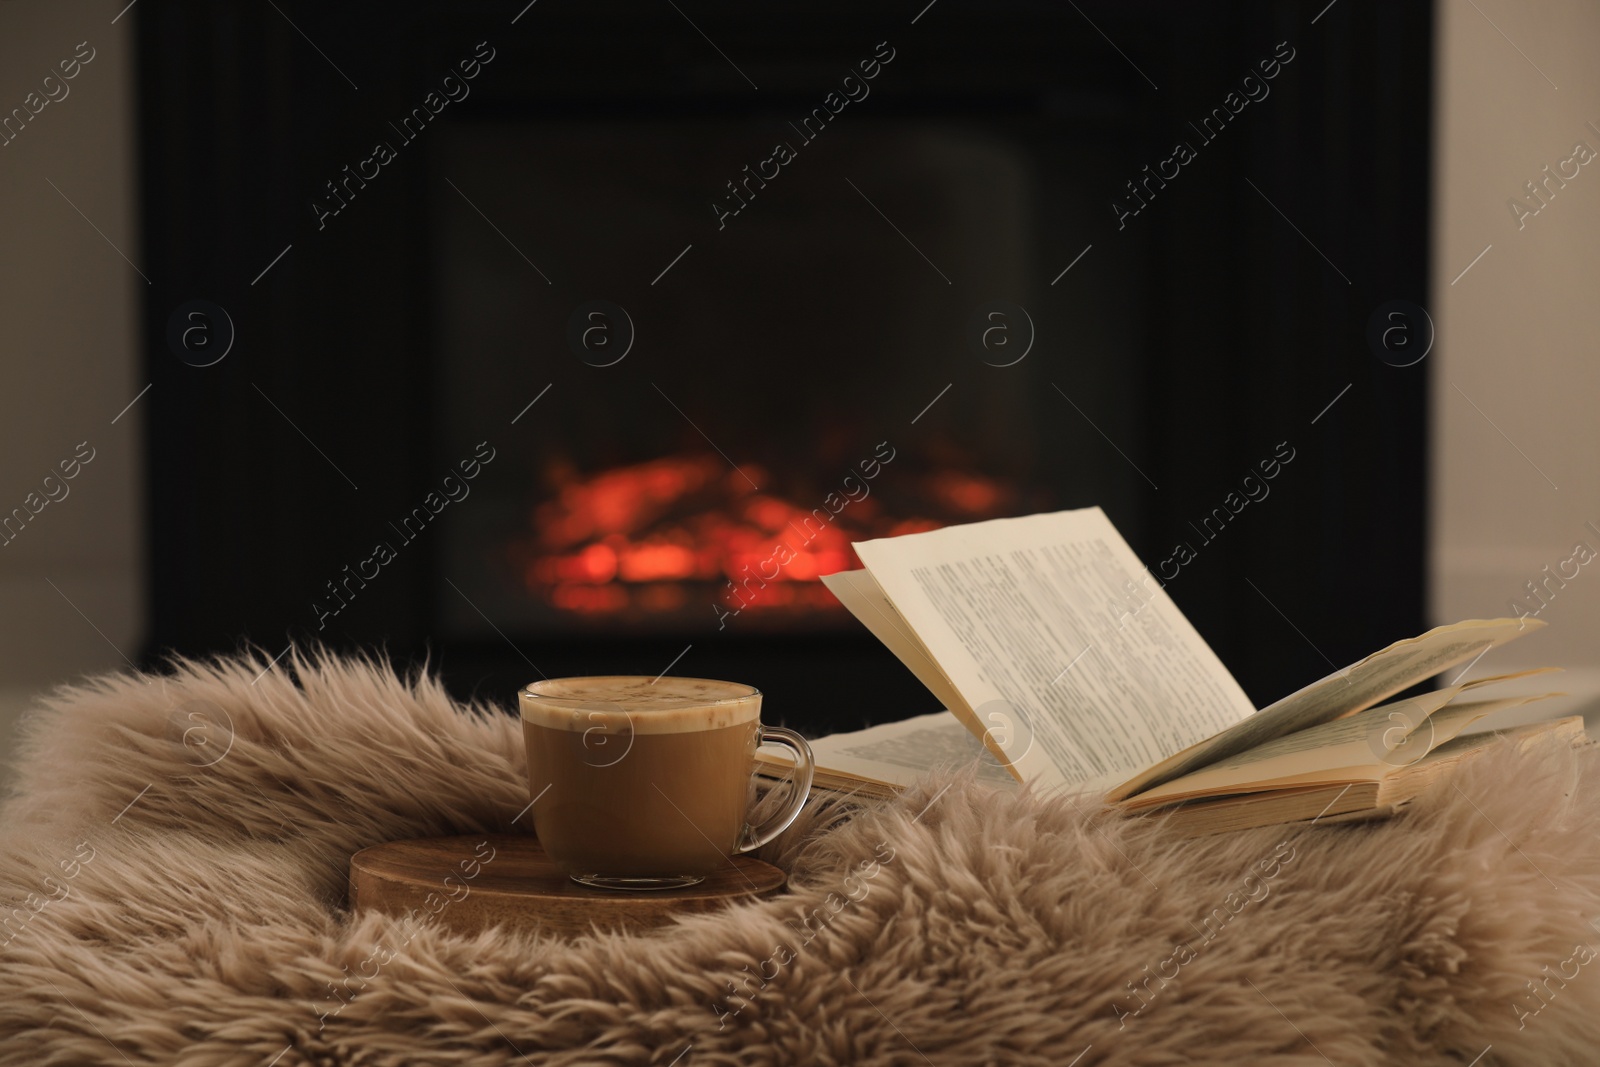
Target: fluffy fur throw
{"x":175,"y":860}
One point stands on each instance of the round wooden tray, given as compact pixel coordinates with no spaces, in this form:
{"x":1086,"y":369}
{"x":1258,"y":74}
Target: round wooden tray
{"x":469,"y":883}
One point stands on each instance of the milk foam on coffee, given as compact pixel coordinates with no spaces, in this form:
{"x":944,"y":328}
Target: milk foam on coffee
{"x":652,"y":706}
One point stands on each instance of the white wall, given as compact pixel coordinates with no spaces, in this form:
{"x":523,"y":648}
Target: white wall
{"x":1519,"y":334}
{"x":68,"y":362}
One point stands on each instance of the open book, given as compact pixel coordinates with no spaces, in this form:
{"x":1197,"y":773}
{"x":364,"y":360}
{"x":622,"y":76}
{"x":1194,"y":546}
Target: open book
{"x":1062,"y":661}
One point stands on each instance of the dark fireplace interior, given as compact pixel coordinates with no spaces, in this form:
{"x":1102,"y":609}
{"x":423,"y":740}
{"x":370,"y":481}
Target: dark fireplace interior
{"x":765,"y":395}
{"x":581,"y":401}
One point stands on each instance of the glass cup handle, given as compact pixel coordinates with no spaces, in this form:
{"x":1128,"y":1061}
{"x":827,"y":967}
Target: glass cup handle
{"x":804,"y":767}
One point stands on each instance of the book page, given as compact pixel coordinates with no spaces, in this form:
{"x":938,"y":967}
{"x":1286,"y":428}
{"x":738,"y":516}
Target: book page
{"x":1446,"y":725}
{"x":1335,"y":803}
{"x":900,"y":752}
{"x":1356,"y":688}
{"x":1569,"y":730}
{"x":857,"y":591}
{"x":1391,"y":735}
{"x":1410,"y":781}
{"x":1367,"y":746}
{"x":1366,"y":739}
{"x":1073,"y":657}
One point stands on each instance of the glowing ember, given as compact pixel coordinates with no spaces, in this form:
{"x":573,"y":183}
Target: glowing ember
{"x":669,"y":536}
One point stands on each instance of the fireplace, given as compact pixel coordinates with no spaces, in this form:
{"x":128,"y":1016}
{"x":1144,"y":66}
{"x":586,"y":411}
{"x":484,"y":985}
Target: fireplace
{"x":738,"y":424}
{"x":701,"y":365}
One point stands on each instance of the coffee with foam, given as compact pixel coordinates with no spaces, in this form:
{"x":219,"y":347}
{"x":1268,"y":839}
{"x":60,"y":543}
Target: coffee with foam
{"x":655,"y":705}
{"x":643,"y":782}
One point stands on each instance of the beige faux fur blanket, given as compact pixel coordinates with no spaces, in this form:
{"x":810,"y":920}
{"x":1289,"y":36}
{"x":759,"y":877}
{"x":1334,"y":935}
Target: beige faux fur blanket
{"x":174,"y":866}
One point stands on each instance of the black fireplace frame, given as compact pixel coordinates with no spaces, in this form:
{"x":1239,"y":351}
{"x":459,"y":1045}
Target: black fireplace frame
{"x":242,"y":119}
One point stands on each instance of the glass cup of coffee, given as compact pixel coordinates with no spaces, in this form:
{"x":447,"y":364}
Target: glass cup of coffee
{"x":645,"y":783}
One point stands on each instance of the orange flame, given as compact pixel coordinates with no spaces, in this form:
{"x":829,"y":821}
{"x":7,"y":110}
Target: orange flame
{"x":632,"y":538}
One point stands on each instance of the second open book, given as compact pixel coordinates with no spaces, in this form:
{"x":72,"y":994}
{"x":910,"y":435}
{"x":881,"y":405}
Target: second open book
{"x":1063,"y":661}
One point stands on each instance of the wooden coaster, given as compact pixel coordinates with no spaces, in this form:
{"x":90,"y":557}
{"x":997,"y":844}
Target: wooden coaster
{"x":469,"y":883}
